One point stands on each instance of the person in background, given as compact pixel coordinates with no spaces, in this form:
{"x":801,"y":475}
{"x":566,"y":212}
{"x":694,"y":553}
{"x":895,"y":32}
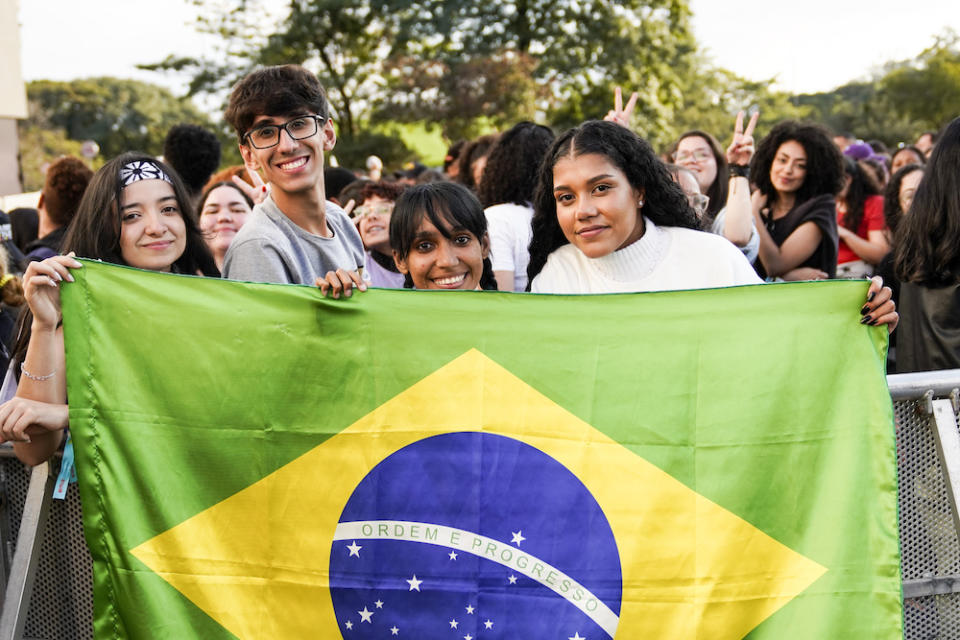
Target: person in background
{"x":16,"y":261}
{"x":843,"y":140}
{"x":335,"y":179}
{"x":66,"y":180}
{"x":194,"y":153}
{"x":506,"y":192}
{"x":798,"y":172}
{"x":927,"y":261}
{"x":925,"y":142}
{"x":11,"y":301}
{"x":875,"y":163}
{"x":372,"y":217}
{"x":860,"y":223}
{"x":374,"y":167}
{"x":223,"y":211}
{"x":451,"y":161}
{"x":24,"y":227}
{"x":687,"y":180}
{"x":473,"y":159}
{"x":907,"y":154}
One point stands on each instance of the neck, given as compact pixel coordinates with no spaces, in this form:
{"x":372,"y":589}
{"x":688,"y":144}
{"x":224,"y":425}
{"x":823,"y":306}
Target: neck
{"x":784,"y":204}
{"x":306,"y":209}
{"x":218,"y":257}
{"x":45,"y":224}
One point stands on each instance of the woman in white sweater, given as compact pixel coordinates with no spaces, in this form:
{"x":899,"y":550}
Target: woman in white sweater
{"x":609,"y":218}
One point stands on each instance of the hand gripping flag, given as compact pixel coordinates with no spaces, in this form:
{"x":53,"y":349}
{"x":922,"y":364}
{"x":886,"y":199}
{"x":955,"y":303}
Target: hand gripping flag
{"x":258,"y":462}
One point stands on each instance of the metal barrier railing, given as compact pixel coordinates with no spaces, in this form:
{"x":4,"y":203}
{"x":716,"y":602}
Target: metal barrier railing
{"x":50,"y":562}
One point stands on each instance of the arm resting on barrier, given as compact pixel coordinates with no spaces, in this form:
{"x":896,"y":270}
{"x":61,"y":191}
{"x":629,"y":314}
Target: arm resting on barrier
{"x":35,"y":428}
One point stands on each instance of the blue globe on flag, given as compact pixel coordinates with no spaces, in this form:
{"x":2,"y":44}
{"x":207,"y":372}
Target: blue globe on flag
{"x":475,"y":536}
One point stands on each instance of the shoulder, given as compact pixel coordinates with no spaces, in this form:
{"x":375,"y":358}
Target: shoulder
{"x":873,"y":212}
{"x":561,"y":273}
{"x":343,"y":226}
{"x":709,"y":252}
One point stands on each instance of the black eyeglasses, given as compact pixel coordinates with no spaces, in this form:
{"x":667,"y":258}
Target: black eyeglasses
{"x":268,"y":135}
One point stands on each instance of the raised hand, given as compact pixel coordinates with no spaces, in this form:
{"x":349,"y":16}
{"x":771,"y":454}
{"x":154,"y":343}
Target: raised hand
{"x":620,"y":114}
{"x":258,"y":192}
{"x":41,"y":287}
{"x":740,"y":151}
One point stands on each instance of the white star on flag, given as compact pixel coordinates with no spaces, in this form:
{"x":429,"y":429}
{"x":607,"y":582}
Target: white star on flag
{"x":394,"y":631}
{"x":354,"y":549}
{"x":468,"y":637}
{"x":365,"y":615}
{"x":470,"y":609}
{"x":453,"y":555}
{"x":379,"y":604}
{"x":517,"y":538}
{"x":453,"y":624}
{"x":576,"y":636}
{"x":414,"y":583}
{"x":349,"y":625}
{"x":488,"y":625}
{"x":512,"y":579}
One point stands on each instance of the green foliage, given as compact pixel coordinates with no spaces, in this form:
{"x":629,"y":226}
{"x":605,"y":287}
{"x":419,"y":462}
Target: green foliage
{"x":352,"y":152}
{"x":40,"y":146}
{"x":119,"y":115}
{"x":927,"y":90}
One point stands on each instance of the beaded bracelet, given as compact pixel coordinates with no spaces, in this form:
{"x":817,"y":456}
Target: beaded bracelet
{"x":37,"y":378}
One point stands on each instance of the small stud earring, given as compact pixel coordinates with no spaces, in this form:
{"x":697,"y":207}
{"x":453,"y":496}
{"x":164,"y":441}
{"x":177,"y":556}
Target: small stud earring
{"x":639,"y":203}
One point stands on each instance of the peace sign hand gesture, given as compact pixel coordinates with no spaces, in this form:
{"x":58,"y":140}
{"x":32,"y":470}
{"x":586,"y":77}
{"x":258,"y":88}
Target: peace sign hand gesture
{"x":741,"y":149}
{"x":258,"y":192}
{"x":620,"y":114}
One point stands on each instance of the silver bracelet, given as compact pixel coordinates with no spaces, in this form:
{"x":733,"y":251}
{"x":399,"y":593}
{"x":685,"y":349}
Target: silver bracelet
{"x":37,"y":378}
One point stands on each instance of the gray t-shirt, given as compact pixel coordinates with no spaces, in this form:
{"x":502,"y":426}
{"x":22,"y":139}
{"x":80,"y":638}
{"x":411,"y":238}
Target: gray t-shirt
{"x":271,"y":248}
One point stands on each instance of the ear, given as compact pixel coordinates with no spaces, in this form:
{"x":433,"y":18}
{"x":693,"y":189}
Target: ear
{"x":641,"y":194}
{"x":248,"y":158}
{"x":40,"y":202}
{"x":485,"y":246}
{"x":329,"y":135}
{"x":401,"y":263}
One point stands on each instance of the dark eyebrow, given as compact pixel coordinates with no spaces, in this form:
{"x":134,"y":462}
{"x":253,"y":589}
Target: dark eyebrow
{"x":594,"y":179}
{"x":139,"y":204}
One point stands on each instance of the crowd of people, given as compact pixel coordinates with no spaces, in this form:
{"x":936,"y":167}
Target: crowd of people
{"x":590,"y":210}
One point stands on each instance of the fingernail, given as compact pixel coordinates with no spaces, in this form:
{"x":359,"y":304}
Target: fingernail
{"x":865,"y":320}
{"x":264,"y":188}
{"x":873,"y":322}
{"x":57,"y":276}
{"x":866,"y":308}
{"x":347,"y":293}
{"x":363,"y":287}
{"x":69,"y":277}
{"x":871,"y":296}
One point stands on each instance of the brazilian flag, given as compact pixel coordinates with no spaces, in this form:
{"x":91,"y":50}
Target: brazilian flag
{"x":259,"y":462}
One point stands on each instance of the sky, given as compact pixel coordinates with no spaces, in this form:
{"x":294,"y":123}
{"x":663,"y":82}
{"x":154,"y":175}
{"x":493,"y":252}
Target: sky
{"x":803,"y":46}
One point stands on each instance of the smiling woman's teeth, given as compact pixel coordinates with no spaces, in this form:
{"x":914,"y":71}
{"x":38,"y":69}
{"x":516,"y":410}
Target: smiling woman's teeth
{"x":451,"y":280}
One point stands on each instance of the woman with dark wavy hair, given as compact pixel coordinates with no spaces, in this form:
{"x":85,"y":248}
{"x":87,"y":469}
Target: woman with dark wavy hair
{"x":798,"y":172}
{"x":927,"y":260}
{"x":506,"y":192}
{"x":860,"y":224}
{"x":609,"y":218}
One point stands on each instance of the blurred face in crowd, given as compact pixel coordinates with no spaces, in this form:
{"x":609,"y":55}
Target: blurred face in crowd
{"x":695,"y":154}
{"x":152,"y":232}
{"x":597,"y":208}
{"x":908,"y":187}
{"x":925,"y":144}
{"x":224,"y":211}
{"x":374,"y":225}
{"x":691,"y":188}
{"x":904,"y":157}
{"x":436,"y":261}
{"x":789,"y":168}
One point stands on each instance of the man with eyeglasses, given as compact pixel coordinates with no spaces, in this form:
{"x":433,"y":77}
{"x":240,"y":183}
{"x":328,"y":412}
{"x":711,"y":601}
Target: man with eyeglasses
{"x":294,"y":235}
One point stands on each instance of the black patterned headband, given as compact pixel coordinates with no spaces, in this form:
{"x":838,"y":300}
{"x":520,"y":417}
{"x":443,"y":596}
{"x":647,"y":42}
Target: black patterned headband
{"x":141,"y":170}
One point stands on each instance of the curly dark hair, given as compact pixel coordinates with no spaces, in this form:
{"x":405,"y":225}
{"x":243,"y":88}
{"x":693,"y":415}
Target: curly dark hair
{"x":927,"y":251}
{"x":892,"y":213}
{"x":443,"y":203}
{"x":194,"y":153}
{"x":511,"y":172}
{"x":381,"y":189}
{"x":664,"y":201}
{"x":717,"y":192}
{"x":274,"y":91}
{"x":473,"y":151}
{"x":824,"y":161}
{"x":862,"y":185}
{"x":63,"y":186}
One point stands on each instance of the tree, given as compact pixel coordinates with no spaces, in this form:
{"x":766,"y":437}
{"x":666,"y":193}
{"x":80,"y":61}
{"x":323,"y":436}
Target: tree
{"x":119,"y":115}
{"x":927,"y":90}
{"x":445,"y":59}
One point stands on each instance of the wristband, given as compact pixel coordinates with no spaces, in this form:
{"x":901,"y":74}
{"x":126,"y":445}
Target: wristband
{"x":740,"y":171}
